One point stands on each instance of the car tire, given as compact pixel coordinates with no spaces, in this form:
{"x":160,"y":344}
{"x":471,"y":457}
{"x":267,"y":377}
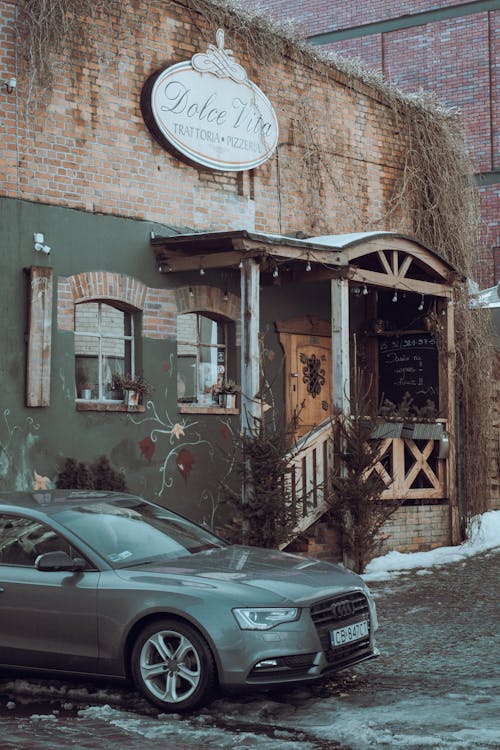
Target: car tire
{"x":172,"y":666}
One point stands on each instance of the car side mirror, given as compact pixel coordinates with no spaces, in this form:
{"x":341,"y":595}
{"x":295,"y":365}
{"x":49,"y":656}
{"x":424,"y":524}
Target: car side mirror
{"x":53,"y":561}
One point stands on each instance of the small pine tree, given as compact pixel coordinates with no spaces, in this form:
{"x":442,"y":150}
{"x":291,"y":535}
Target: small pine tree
{"x":107,"y":478}
{"x":355,"y":498}
{"x":77,"y":475}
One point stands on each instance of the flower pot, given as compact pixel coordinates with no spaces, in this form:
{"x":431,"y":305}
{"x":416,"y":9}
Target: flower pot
{"x":228,"y":400}
{"x":86,"y":394}
{"x":132,"y":398}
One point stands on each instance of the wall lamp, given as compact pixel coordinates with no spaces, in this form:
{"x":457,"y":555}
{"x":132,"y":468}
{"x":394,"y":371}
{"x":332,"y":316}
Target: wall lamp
{"x":39,"y":245}
{"x":10,"y":85}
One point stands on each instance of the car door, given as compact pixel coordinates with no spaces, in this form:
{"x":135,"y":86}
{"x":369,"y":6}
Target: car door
{"x":48,"y":619}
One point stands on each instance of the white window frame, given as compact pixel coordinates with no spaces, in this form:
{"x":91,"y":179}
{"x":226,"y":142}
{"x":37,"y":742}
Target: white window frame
{"x":100,"y":335}
{"x":198,"y":345}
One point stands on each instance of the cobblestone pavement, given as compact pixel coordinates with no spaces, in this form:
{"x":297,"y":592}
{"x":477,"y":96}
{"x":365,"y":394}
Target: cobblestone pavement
{"x":434,"y":686}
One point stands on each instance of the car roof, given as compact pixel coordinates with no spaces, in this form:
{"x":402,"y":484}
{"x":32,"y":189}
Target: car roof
{"x":52,"y":501}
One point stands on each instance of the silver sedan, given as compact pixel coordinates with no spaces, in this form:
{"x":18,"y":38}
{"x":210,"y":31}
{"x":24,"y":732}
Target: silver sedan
{"x":111,"y":585}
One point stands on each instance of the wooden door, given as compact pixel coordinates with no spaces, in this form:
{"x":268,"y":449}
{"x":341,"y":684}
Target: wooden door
{"x":308,"y":372}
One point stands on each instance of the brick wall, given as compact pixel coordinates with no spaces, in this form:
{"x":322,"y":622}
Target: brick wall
{"x":417,"y":528}
{"x":413,"y":528}
{"x":90,"y":149}
{"x":457,"y":59}
{"x":157,"y":305}
{"x":325,"y":15}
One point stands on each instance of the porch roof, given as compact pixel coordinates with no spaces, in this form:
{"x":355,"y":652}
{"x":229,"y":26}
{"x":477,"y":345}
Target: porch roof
{"x":380,"y":258}
{"x":193,"y":250}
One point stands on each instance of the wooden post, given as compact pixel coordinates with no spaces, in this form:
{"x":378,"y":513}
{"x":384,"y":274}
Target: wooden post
{"x":452,"y":457}
{"x":250,"y":367}
{"x":341,"y":366}
{"x":39,"y":337}
{"x":340,"y":344}
{"x":250,"y":355}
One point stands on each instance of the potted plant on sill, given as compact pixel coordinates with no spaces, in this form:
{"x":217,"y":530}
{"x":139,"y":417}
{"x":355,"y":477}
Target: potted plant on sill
{"x":134,"y":387}
{"x":85,"y":390}
{"x":227,"y":394}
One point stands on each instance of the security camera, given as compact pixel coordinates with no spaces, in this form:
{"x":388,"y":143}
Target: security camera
{"x":42,"y":248}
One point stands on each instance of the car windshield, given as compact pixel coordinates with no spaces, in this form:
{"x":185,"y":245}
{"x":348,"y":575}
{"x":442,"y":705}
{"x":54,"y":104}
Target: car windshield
{"x":136,"y":532}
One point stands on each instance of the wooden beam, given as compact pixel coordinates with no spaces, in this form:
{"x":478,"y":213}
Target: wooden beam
{"x":340,"y":344}
{"x":452,"y":456}
{"x":250,"y":354}
{"x":418,"y":252}
{"x":402,"y":283}
{"x":39,"y":337}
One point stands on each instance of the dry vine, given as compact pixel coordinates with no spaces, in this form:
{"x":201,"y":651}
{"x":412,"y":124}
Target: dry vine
{"x":436,"y":189}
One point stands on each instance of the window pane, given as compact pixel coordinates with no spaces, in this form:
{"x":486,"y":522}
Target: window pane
{"x":112,"y":321}
{"x":103,"y":348}
{"x":23,"y":539}
{"x":87,"y":376}
{"x":186,"y":378}
{"x":87,"y":317}
{"x":202,"y":347}
{"x":186,"y":328}
{"x":208,"y":369}
{"x":208,"y":330}
{"x":112,"y":366}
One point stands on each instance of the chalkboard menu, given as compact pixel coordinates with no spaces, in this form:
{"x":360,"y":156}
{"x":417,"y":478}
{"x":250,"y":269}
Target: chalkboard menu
{"x":408,"y":363}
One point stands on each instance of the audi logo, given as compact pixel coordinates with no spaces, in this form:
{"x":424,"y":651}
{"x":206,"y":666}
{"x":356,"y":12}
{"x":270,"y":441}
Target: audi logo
{"x":342,"y":609}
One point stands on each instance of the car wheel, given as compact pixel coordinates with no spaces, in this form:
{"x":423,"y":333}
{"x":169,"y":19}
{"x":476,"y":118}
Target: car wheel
{"x":173,"y":666}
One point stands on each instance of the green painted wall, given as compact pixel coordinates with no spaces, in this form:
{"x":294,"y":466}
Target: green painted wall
{"x":141,"y":444}
{"x":174,"y":458}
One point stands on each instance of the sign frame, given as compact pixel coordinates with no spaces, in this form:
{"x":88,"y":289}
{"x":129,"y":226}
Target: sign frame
{"x":206,"y":110}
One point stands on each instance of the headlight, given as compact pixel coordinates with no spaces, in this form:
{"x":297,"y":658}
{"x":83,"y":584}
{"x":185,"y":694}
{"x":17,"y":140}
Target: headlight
{"x":264,"y":618}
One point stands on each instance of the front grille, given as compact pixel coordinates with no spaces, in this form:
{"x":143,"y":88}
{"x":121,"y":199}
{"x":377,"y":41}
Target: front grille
{"x":336,"y":612}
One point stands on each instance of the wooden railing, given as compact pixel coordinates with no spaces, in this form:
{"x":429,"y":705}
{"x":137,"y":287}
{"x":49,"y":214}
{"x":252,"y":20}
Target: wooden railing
{"x":410,"y":468}
{"x":310,"y":461}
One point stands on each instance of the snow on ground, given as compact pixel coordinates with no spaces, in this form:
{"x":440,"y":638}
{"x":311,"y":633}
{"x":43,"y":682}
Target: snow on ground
{"x":485,"y":535}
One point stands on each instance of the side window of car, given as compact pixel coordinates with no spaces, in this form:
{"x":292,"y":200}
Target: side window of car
{"x":23,"y":539}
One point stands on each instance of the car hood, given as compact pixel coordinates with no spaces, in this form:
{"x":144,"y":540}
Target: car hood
{"x":289,"y":576}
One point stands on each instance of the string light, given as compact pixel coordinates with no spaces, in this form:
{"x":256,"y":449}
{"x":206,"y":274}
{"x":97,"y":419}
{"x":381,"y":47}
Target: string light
{"x":308,"y":267}
{"x":276,"y":273}
{"x":395,"y":296}
{"x":191,"y":293}
{"x":202,"y":271}
{"x":365,"y":289}
{"x":240,"y":264}
{"x":421,"y":305}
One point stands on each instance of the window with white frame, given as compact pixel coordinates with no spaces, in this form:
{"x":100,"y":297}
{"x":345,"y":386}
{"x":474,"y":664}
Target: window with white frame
{"x":202,"y":357}
{"x":104,"y":348}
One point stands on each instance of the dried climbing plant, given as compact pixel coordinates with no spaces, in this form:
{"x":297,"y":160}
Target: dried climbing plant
{"x":436,"y":190}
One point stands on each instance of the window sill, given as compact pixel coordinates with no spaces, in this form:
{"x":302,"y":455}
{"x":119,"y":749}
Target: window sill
{"x":199,"y":409}
{"x":107,"y":406}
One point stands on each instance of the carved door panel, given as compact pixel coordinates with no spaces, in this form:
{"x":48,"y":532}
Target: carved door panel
{"x":309,"y":375}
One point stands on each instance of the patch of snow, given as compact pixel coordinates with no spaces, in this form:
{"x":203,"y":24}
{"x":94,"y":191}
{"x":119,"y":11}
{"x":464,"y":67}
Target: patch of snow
{"x":484,"y":536}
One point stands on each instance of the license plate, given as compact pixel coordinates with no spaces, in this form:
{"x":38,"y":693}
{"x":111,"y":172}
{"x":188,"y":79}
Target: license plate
{"x":349,"y":633}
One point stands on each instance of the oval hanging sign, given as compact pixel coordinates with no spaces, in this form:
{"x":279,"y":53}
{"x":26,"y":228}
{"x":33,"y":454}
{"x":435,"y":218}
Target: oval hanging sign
{"x":210,"y":112}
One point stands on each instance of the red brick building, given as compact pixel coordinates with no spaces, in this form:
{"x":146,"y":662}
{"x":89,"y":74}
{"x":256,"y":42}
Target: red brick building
{"x":450,"y":47}
{"x":121,"y":256}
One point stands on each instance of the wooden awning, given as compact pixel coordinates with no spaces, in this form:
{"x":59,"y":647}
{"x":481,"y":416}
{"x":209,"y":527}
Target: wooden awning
{"x":193,"y":251}
{"x":381,"y":259}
